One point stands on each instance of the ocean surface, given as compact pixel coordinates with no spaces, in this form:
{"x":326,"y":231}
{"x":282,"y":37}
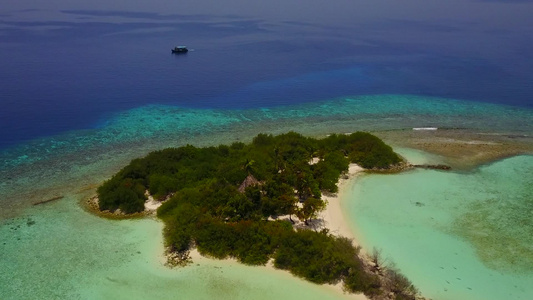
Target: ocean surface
{"x":70,"y":65}
{"x":86,"y":87}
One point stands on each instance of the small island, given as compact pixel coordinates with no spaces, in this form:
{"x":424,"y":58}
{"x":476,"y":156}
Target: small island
{"x":226,"y":202}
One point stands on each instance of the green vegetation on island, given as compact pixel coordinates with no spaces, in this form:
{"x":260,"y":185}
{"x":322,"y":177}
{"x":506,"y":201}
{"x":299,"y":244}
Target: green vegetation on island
{"x":225,"y":201}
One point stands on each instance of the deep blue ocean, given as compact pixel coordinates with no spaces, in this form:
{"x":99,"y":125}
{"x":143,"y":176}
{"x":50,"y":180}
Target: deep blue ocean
{"x":70,"y":65}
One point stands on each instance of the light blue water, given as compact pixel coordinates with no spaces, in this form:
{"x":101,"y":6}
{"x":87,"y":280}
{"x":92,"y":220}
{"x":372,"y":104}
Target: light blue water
{"x":67,"y":253}
{"x":455,"y":235}
{"x":61,"y":252}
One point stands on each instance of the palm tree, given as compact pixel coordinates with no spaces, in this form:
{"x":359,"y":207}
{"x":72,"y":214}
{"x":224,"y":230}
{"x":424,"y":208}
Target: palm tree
{"x":248,"y":165}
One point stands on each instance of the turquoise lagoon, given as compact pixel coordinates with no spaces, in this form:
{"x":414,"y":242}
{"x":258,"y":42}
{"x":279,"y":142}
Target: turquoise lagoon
{"x":57,"y":250}
{"x":461,"y":235}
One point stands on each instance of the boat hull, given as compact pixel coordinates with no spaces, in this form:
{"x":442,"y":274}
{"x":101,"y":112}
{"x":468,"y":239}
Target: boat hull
{"x":180,"y":50}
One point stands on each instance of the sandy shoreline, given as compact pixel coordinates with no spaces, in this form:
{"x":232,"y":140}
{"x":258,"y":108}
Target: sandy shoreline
{"x":336,"y":289}
{"x":334,"y":219}
{"x":333,"y":216}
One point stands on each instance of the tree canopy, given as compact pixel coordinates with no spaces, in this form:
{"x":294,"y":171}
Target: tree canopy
{"x":206,"y":209}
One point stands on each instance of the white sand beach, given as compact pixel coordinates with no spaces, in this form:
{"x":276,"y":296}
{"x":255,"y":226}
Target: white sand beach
{"x":333,"y":216}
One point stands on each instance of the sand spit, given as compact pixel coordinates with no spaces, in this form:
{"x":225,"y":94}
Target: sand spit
{"x":462,"y":149}
{"x":333,"y":217}
{"x":151,"y":205}
{"x":150,"y":208}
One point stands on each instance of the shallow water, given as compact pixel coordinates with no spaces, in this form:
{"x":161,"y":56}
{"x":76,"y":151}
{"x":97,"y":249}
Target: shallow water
{"x":59,"y":251}
{"x":455,"y":235}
